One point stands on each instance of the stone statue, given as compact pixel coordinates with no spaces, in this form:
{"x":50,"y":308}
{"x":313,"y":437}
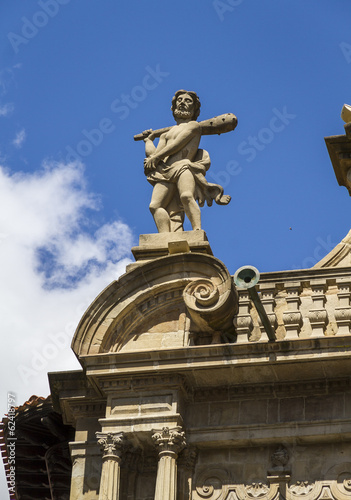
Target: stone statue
{"x":176,"y":167}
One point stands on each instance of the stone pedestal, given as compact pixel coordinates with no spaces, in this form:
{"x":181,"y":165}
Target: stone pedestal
{"x":152,"y":246}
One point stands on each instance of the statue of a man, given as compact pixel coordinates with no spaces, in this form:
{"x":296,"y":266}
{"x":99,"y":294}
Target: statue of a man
{"x":177,"y":167}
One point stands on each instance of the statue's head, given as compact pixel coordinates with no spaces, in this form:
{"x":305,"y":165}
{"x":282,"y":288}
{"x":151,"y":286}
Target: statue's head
{"x":182,"y":108}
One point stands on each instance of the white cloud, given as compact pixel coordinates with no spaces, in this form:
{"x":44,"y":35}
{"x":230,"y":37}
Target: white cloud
{"x":19,"y":139}
{"x":53,"y":264}
{"x":6,"y":109}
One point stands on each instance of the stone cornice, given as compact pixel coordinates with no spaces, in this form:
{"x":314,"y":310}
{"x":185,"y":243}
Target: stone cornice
{"x":327,"y":354}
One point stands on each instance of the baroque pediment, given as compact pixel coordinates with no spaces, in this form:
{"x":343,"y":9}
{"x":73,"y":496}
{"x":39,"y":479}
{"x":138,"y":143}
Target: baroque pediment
{"x":163,"y":303}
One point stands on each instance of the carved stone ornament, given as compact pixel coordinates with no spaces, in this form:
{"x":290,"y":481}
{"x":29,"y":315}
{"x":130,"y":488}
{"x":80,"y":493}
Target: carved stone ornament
{"x":301,"y":488}
{"x":212,"y":304}
{"x":153,"y":299}
{"x":111,"y":444}
{"x":211,"y":484}
{"x":341,"y":486}
{"x":280,"y":457}
{"x":257,"y":490}
{"x":169,"y":440}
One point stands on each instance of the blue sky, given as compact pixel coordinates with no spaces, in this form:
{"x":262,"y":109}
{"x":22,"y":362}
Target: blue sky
{"x":79,"y":78}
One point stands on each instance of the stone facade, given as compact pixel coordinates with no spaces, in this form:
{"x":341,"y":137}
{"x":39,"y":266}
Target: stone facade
{"x":182,"y":395}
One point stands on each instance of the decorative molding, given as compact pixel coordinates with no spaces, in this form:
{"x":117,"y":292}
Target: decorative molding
{"x":301,"y":488}
{"x":140,"y":383}
{"x":257,"y":490}
{"x":278,"y":390}
{"x":92,"y":409}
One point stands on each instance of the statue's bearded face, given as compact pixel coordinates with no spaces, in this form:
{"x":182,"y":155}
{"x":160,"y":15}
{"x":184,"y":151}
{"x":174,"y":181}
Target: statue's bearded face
{"x":184,"y":107}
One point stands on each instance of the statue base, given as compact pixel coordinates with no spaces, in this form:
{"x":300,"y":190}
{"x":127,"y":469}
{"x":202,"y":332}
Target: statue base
{"x":155,"y":245}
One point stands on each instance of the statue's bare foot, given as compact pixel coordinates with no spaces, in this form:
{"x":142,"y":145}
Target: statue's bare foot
{"x":224,"y":199}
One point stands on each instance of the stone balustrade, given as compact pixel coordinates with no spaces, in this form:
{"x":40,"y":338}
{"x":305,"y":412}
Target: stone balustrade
{"x":309,"y":308}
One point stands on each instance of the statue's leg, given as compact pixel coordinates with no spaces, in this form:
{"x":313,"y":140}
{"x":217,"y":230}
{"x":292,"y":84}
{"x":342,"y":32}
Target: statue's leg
{"x":186,"y":188}
{"x":161,"y":196}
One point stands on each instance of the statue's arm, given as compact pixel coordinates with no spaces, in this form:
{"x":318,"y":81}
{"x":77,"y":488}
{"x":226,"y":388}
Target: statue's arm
{"x":149,"y":137}
{"x":150,"y":147}
{"x":175,"y":144}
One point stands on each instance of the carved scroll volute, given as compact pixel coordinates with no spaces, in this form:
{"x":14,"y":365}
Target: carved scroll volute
{"x":211,"y":305}
{"x":211,"y":484}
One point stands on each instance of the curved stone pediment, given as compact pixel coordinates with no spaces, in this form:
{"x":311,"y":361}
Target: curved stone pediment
{"x":160,"y":304}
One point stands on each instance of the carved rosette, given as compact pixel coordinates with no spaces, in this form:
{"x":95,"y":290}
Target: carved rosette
{"x":111,"y":445}
{"x":212,"y":304}
{"x":169,"y":440}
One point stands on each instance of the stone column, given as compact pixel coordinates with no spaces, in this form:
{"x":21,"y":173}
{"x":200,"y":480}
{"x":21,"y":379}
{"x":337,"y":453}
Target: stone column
{"x":111,"y":446}
{"x":169,"y":442}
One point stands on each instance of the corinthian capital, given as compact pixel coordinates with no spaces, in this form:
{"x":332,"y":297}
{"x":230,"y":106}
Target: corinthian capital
{"x":171,"y":440}
{"x":111,"y":444}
